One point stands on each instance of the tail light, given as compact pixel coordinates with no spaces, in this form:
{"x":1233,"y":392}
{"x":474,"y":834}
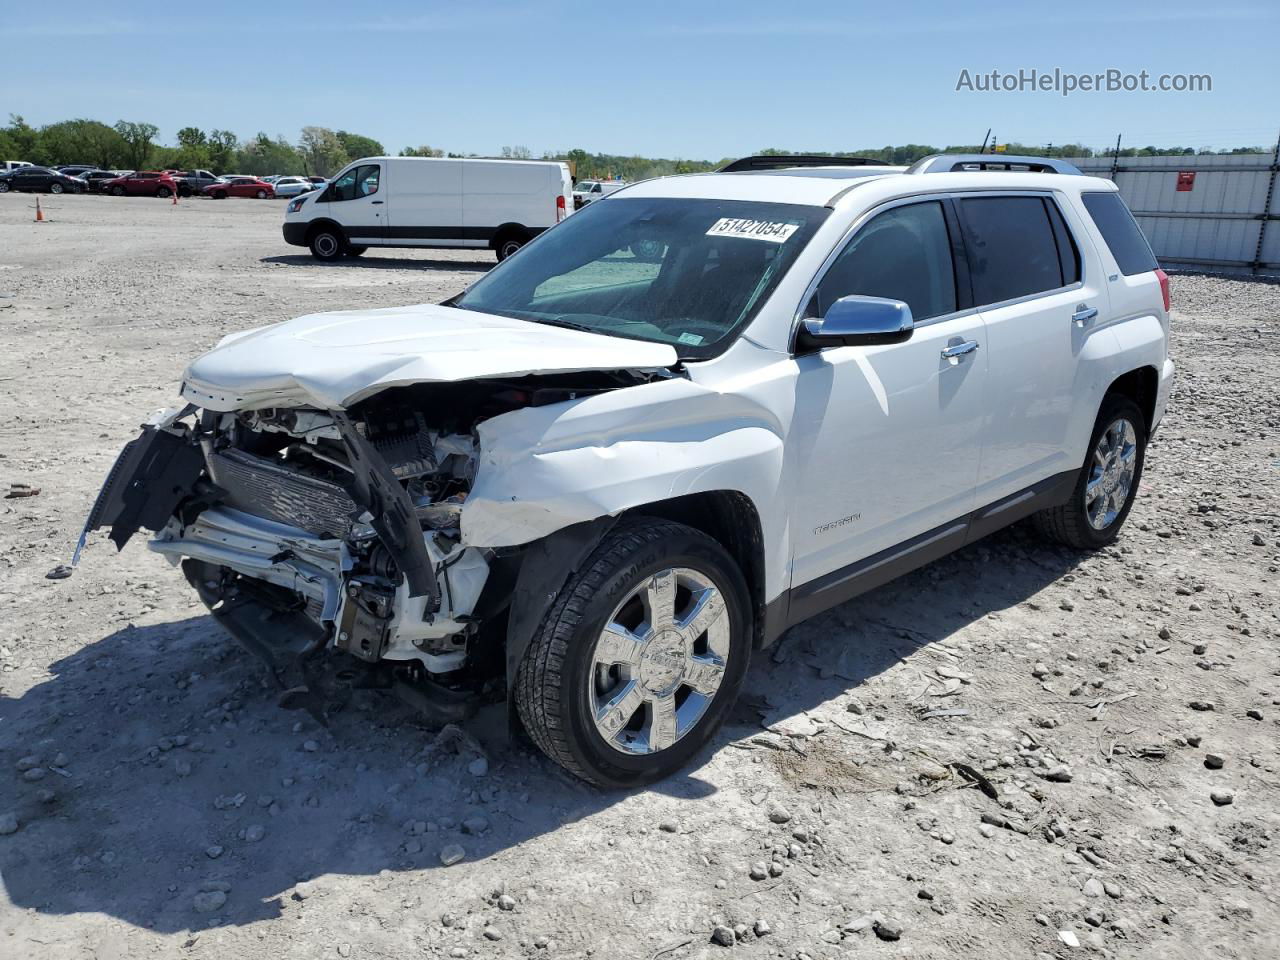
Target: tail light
{"x":560,"y":211}
{"x":1164,"y":288}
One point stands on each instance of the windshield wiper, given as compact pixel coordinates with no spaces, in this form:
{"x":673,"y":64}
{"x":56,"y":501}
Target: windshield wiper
{"x":567,"y":324}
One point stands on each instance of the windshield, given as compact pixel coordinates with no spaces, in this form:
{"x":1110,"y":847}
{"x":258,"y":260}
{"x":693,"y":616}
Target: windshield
{"x":688,"y":272}
{"x":584,"y":186}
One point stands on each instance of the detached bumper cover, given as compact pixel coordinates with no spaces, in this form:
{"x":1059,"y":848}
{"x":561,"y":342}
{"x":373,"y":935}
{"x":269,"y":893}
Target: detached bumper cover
{"x":153,"y":474}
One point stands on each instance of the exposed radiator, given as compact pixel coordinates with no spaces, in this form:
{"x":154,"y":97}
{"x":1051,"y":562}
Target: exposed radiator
{"x":268,"y":489}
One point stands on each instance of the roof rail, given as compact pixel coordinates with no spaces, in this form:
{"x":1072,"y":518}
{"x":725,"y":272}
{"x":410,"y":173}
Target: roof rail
{"x":783,"y":161}
{"x":960,"y":162}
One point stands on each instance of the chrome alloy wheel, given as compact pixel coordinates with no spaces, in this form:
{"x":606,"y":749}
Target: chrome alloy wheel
{"x":659,"y":661}
{"x":1111,"y":474}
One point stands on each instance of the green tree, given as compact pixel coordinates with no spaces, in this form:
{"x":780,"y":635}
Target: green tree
{"x":263,"y":156}
{"x":79,"y":141}
{"x":422,"y":151}
{"x":193,"y":149}
{"x":223,"y":145}
{"x":516,"y":153}
{"x":322,"y":151}
{"x":19,"y":140}
{"x":356,"y":146}
{"x":138,"y":138}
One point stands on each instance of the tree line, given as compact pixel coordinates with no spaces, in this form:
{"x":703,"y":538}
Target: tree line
{"x":322,"y":152}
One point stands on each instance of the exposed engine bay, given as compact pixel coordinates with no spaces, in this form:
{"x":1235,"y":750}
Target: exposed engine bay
{"x":307,"y":530}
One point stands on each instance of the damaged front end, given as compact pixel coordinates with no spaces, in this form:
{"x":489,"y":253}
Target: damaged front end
{"x":309,"y":531}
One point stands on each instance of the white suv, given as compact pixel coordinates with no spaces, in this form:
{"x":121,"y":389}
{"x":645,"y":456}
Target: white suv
{"x":676,"y":424}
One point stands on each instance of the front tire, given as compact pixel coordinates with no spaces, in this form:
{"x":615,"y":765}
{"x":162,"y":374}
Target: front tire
{"x":327,"y":244}
{"x":117,"y":191}
{"x":4,"y":186}
{"x":262,"y":194}
{"x":1108,"y":481}
{"x":641,"y":656}
{"x":356,"y":251}
{"x":163,"y":193}
{"x":55,"y":188}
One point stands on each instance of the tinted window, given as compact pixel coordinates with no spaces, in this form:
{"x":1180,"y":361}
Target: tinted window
{"x":1068,"y":253}
{"x":903,"y":254}
{"x":1121,"y":231}
{"x":1011,"y":247}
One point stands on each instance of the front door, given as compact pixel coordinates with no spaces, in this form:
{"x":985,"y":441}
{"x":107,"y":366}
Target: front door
{"x":888,"y":438}
{"x":357,"y":200}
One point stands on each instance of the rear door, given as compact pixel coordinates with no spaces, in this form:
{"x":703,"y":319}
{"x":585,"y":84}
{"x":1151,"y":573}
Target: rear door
{"x":1036,"y":284}
{"x":357,"y":199}
{"x":499,"y":192}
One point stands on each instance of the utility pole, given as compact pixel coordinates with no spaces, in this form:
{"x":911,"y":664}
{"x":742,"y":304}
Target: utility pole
{"x":1115,"y":159}
{"x":984,"y":141}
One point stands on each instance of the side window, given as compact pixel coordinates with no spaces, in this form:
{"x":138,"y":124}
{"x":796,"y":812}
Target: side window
{"x":1011,"y":247}
{"x":903,"y":254}
{"x":1120,"y":230}
{"x":361,"y":181}
{"x":1068,"y":253}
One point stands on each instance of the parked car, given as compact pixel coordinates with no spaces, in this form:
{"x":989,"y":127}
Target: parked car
{"x":33,"y":179}
{"x":7,"y":165}
{"x":319,"y":181}
{"x":292,"y":186}
{"x":240,"y":187}
{"x":95,"y":180}
{"x":607,"y":480}
{"x":584,"y":191}
{"x":191,"y":182}
{"x":430,"y":202}
{"x":75,"y":169}
{"x":141,"y":183}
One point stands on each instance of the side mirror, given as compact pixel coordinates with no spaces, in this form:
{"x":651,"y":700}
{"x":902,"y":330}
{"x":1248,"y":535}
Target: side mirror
{"x":856,"y":321}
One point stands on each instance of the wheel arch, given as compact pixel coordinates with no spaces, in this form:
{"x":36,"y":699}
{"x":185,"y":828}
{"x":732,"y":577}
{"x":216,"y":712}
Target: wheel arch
{"x":320,"y":223}
{"x":509,"y":229}
{"x":1142,"y":386}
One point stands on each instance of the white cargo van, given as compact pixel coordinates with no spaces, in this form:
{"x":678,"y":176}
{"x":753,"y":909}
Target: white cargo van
{"x":430,"y":202}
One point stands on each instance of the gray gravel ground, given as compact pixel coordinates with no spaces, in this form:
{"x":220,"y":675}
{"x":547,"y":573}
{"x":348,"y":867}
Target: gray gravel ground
{"x":154,"y":802}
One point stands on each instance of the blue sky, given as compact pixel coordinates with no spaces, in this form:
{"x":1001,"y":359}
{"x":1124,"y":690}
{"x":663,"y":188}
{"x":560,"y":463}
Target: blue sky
{"x":697,"y":80}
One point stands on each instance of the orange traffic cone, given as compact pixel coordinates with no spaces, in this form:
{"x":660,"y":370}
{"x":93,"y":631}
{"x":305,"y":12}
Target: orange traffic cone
{"x":175,"y":197}
{"x":39,"y":212}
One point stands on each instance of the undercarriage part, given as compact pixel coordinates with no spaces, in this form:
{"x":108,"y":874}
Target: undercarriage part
{"x":268,"y":489}
{"x":153,"y":474}
{"x":437,"y":702}
{"x":284,"y":639}
{"x":366,"y":618}
{"x":378,"y":490}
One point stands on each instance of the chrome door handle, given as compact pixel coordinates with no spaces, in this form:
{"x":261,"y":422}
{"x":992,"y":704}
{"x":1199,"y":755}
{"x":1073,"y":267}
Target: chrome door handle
{"x":1083,"y":315}
{"x":955,"y":352}
{"x":378,"y":203}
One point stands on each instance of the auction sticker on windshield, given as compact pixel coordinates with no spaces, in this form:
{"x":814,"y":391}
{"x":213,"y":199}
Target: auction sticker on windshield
{"x":752,"y":229}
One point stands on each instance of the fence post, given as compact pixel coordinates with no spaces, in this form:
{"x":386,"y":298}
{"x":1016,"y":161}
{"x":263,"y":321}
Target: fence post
{"x":1266,"y":211}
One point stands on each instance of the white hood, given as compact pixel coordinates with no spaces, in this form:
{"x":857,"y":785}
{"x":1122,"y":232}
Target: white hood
{"x":332,"y":360}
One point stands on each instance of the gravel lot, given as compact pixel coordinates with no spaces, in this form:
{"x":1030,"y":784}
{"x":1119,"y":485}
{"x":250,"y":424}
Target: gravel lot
{"x":1123,"y":707}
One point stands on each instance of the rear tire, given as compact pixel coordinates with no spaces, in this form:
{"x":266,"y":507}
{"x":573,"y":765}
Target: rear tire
{"x":1108,"y":482}
{"x":509,"y":244}
{"x":607,"y":705}
{"x":327,"y":244}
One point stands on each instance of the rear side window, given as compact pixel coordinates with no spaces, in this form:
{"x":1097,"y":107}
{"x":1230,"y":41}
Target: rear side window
{"x":1121,"y":231}
{"x":1015,"y":249}
{"x":903,"y":254}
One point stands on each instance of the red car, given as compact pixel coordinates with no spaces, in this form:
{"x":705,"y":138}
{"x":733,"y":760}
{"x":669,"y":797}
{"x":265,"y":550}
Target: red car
{"x":143,"y":183}
{"x":239,"y":187}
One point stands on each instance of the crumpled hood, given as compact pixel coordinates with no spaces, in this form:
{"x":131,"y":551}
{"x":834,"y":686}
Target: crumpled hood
{"x":332,"y":360}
